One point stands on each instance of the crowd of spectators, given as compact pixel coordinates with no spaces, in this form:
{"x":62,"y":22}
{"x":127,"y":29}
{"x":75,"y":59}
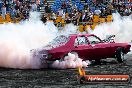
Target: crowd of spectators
{"x":17,"y":8}
{"x":70,"y":10}
{"x":84,"y":12}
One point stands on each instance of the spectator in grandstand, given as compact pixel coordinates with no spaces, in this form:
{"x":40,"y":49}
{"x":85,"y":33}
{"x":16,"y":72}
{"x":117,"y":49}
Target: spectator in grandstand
{"x":7,"y":4}
{"x":88,"y":17}
{"x":25,"y":12}
{"x":63,"y":6}
{"x":86,"y":1}
{"x":63,"y":16}
{"x":103,"y":13}
{"x":38,"y":2}
{"x":21,"y":6}
{"x":33,"y":6}
{"x":60,"y":12}
{"x":75,"y":17}
{"x":109,"y":8}
{"x":68,"y":20}
{"x":3,"y":9}
{"x":17,"y":6}
{"x":21,"y":0}
{"x":45,"y":1}
{"x":44,"y":18}
{"x":97,"y":12}
{"x":53,"y":16}
{"x":47,"y":8}
{"x":121,"y":10}
{"x":121,"y":2}
{"x":69,"y":4}
{"x":83,"y":17}
{"x":12,"y":12}
{"x":85,"y":6}
{"x":74,"y":7}
{"x":1,"y":4}
{"x":127,"y":11}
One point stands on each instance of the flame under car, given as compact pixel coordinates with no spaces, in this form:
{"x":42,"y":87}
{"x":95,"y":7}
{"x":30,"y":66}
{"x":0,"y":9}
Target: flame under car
{"x":87,"y":46}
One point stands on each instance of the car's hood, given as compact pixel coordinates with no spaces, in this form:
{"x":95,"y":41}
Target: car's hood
{"x":51,"y":46}
{"x":42,"y":50}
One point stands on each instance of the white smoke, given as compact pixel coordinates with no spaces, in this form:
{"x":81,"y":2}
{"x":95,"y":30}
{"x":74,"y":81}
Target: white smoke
{"x":120,"y":27}
{"x":70,"y":61}
{"x":17,"y":40}
{"x":69,"y":29}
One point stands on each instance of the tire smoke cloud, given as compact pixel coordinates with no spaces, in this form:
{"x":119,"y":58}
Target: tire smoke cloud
{"x":17,"y":40}
{"x":120,"y":27}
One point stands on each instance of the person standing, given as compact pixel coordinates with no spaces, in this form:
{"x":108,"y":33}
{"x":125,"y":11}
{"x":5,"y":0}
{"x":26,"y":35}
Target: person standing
{"x":33,"y":7}
{"x":12,"y":12}
{"x":3,"y":9}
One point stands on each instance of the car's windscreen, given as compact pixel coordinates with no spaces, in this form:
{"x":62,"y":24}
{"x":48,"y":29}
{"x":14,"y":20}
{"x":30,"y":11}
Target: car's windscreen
{"x":93,"y":40}
{"x":60,"y":40}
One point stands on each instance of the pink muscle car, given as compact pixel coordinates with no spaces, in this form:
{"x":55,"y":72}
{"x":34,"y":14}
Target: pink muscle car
{"x":87,"y":46}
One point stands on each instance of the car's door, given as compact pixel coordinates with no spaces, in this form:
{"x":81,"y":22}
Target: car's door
{"x":99,"y":50}
{"x":82,"y":47}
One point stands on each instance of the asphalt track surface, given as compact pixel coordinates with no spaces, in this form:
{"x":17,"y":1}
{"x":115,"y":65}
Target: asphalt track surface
{"x":52,"y":78}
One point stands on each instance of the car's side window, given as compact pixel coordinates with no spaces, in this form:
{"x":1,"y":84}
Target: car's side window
{"x":93,"y":40}
{"x":80,"y":41}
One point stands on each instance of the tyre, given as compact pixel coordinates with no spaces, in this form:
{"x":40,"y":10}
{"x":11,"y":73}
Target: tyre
{"x":120,"y":55}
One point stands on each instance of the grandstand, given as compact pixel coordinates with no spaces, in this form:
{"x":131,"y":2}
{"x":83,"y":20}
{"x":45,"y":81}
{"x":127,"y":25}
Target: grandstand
{"x":83,"y":13}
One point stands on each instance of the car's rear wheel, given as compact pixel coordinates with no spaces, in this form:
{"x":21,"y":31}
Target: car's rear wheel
{"x":120,"y":55}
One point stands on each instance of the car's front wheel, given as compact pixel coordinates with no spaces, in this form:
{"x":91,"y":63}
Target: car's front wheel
{"x":120,"y":55}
